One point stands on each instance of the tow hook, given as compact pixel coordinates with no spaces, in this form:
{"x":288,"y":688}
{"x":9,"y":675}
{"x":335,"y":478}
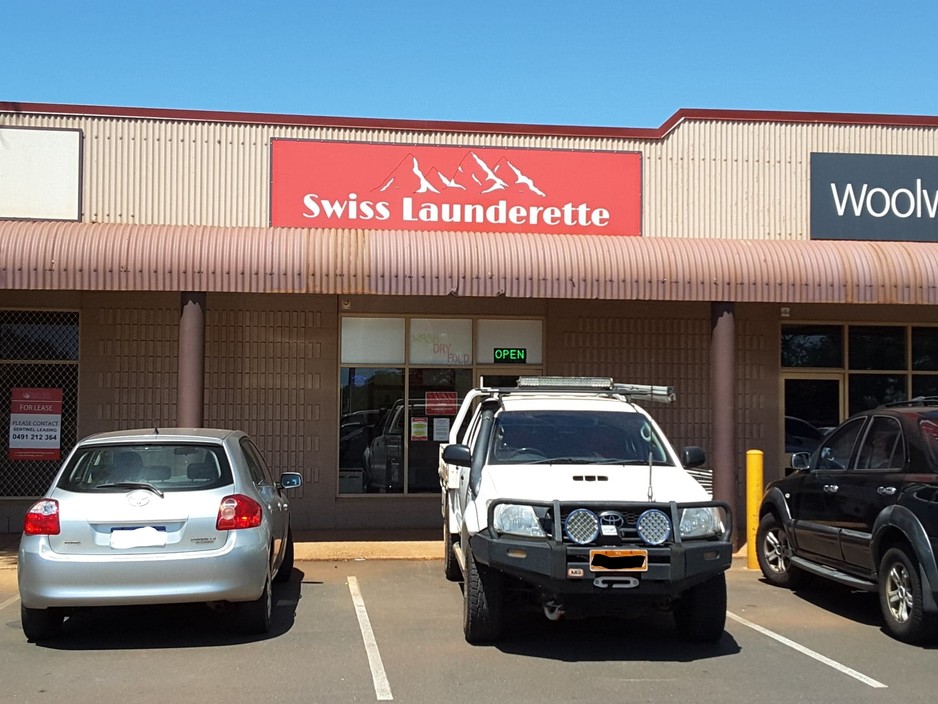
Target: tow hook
{"x":554,"y":611}
{"x":615,"y":582}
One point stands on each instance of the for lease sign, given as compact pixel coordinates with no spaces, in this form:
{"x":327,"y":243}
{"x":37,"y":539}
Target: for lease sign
{"x":35,"y":424}
{"x":478,"y":189}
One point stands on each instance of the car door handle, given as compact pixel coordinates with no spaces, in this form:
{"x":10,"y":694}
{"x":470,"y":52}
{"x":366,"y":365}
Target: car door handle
{"x":831,"y":488}
{"x":886,"y":490}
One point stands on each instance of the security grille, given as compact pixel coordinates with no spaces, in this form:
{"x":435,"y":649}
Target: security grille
{"x":38,"y":350}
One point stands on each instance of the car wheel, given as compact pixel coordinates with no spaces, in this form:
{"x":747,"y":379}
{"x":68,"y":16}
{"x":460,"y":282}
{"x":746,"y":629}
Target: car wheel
{"x":774,"y":554}
{"x":483,"y":602}
{"x":700,"y":615}
{"x":256,"y":615}
{"x":286,"y":565}
{"x":41,"y":624}
{"x":901,"y":598}
{"x":451,"y":569}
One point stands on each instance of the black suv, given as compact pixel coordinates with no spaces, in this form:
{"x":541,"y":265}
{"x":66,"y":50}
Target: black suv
{"x":862,"y":510}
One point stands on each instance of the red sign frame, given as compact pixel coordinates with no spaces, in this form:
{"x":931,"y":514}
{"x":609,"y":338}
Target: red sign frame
{"x":319,"y":184}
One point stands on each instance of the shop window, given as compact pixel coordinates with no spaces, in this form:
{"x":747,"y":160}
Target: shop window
{"x":395,"y":413}
{"x":372,"y":341}
{"x":865,"y":391}
{"x":38,"y":397}
{"x":526,"y":342}
{"x":925,"y":350}
{"x":877,"y":347}
{"x":816,"y":346}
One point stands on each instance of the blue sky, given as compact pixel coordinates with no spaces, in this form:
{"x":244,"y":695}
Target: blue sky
{"x":618,"y":63}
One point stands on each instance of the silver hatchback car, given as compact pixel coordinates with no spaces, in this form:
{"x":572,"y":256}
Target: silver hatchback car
{"x":157,"y":516}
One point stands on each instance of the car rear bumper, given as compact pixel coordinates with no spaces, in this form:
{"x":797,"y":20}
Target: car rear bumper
{"x":234,"y":572}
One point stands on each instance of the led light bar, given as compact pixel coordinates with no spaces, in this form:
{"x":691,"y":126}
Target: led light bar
{"x":639,"y":392}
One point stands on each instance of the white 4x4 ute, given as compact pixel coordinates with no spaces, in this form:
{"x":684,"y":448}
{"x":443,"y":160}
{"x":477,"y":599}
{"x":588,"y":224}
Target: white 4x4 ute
{"x":565,"y":493}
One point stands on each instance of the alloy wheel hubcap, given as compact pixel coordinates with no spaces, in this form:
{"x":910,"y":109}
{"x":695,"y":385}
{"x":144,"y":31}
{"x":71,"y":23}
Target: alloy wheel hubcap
{"x":776,"y":551}
{"x":899,"y":593}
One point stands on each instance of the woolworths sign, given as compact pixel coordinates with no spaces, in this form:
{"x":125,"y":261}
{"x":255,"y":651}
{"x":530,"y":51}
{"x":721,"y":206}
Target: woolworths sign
{"x":874,"y":197}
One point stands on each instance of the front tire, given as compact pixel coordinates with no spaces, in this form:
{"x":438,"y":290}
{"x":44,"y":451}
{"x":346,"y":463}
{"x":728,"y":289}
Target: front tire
{"x":483,"y":602}
{"x":41,"y":624}
{"x":773,"y":551}
{"x":901,"y":599}
{"x":700,"y":615}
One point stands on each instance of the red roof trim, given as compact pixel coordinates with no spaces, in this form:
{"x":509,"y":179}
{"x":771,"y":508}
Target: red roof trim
{"x":650,"y":133}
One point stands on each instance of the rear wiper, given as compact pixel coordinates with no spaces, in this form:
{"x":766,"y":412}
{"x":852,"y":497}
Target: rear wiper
{"x":131,"y":485}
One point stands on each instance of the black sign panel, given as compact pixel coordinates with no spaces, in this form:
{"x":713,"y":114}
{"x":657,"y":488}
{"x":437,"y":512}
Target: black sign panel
{"x":874,"y":197}
{"x":510,"y":355}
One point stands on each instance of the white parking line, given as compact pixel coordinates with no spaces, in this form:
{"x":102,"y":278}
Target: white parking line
{"x":810,"y":653}
{"x":9,"y":601}
{"x":378,"y":676}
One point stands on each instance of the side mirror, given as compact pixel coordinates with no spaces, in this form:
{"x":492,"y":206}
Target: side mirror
{"x":801,"y":461}
{"x":693,"y":456}
{"x":459,"y":455}
{"x":291,"y":480}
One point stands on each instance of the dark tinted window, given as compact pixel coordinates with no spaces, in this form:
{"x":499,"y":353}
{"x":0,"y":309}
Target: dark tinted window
{"x":836,"y":450}
{"x":541,"y":436}
{"x":883,"y":446}
{"x":877,"y":347}
{"x":812,"y":346}
{"x":925,"y":349}
{"x":871,"y":390}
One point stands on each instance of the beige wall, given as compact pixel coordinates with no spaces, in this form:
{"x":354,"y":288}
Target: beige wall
{"x":706,"y":178}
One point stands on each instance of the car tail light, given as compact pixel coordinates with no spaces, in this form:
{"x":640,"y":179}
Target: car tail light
{"x":238,"y":511}
{"x":42,"y":518}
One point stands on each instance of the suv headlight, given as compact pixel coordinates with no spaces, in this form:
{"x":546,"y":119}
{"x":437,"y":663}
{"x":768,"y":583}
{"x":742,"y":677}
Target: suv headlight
{"x":700,"y":522}
{"x":517,"y":520}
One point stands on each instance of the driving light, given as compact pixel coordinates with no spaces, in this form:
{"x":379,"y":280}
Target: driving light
{"x":653,"y":526}
{"x":582,"y":526}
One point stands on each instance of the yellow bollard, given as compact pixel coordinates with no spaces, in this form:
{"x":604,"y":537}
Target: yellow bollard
{"x":754,"y":478}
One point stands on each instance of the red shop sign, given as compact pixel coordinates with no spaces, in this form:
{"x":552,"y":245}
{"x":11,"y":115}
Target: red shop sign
{"x":478,"y":189}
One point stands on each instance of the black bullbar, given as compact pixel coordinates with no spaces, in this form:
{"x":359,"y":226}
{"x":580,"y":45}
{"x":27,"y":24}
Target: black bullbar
{"x":556,"y":563}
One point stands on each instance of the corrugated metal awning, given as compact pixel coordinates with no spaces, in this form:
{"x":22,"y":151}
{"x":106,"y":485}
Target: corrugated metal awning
{"x":98,"y":257}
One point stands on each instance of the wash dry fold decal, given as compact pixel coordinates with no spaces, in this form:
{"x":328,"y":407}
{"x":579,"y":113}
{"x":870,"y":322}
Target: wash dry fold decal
{"x":478,"y":189}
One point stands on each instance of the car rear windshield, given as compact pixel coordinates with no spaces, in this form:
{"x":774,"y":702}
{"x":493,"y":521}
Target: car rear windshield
{"x":576,"y":437}
{"x":164,"y":466}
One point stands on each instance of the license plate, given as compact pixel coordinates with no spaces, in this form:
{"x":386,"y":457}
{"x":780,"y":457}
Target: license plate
{"x":146,"y":537}
{"x":619,"y":560}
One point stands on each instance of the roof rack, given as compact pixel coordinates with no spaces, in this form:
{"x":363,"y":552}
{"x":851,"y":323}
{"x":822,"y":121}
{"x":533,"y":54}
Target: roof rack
{"x":589,"y":384}
{"x":917,"y":401}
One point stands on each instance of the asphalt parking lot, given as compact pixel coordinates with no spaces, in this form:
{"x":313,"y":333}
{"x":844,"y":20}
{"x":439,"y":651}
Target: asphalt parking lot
{"x":362,"y":630}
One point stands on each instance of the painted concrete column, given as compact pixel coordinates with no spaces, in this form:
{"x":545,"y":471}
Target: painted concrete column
{"x":191,"y":385}
{"x":723,"y":401}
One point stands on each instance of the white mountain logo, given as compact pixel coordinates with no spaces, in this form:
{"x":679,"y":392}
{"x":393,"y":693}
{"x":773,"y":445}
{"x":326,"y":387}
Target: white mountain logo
{"x":473,"y":175}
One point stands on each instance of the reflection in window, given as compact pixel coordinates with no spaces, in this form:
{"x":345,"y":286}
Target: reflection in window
{"x":883,"y":447}
{"x":877,"y":347}
{"x":812,"y":346}
{"x":871,"y":390}
{"x":367,"y":396}
{"x":835,"y":452}
{"x":925,"y":349}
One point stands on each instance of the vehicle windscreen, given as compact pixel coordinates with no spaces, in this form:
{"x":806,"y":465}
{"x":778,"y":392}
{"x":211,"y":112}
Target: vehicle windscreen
{"x":158,"y":466}
{"x":565,"y":437}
